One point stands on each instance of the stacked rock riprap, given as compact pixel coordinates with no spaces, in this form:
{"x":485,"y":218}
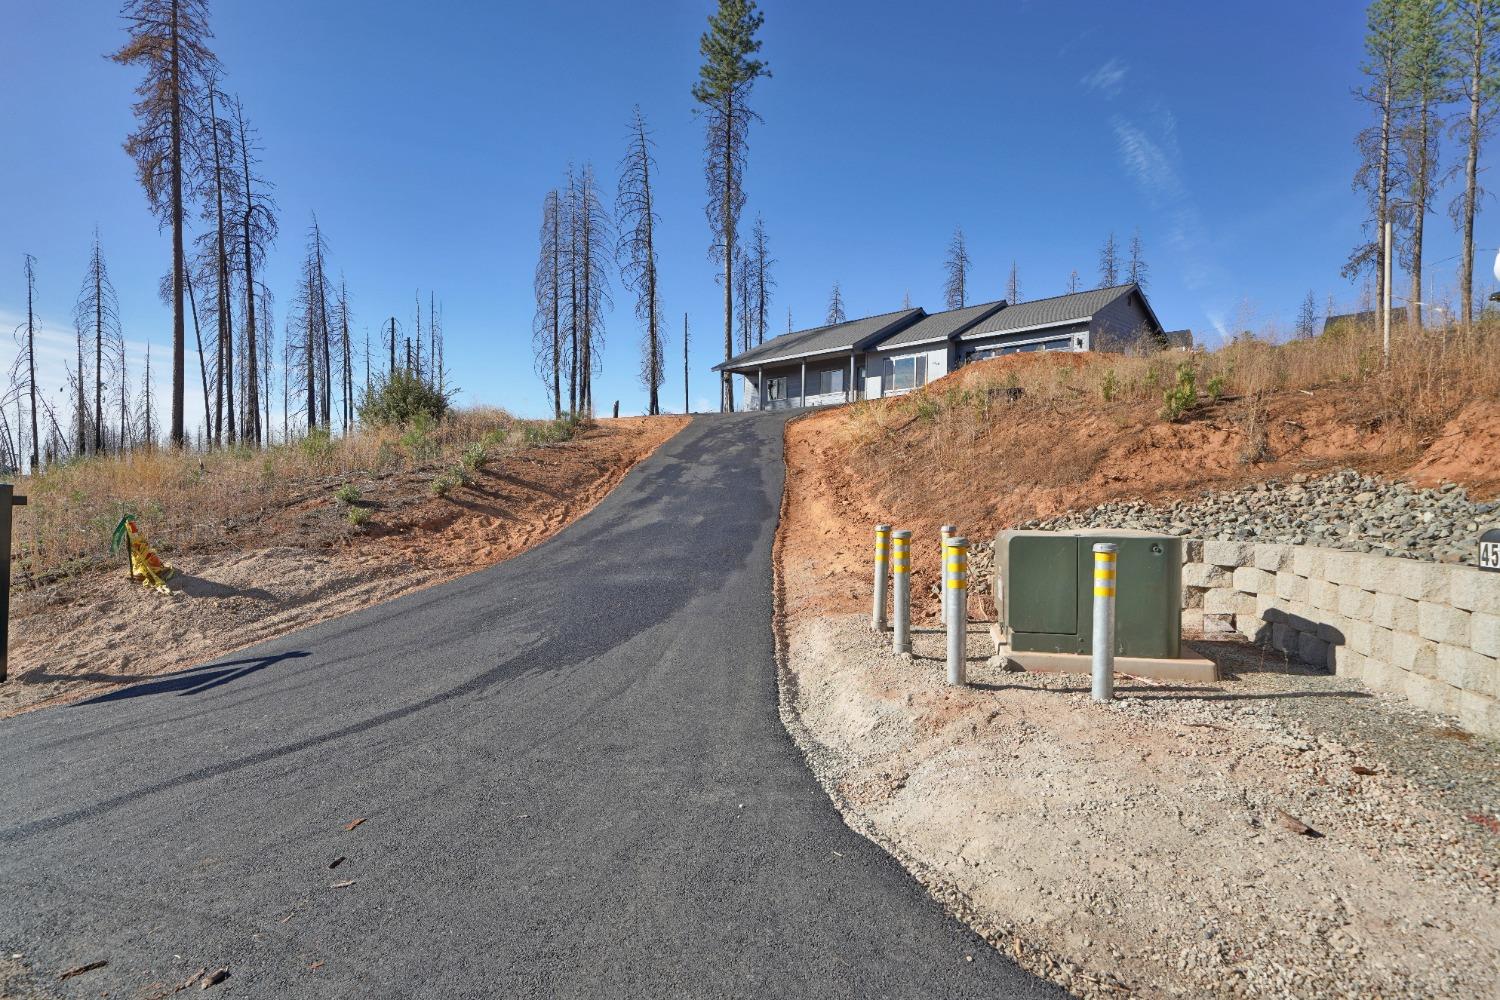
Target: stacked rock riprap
{"x":1345,"y":510}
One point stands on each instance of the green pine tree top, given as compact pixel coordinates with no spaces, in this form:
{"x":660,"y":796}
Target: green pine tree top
{"x":727,"y":47}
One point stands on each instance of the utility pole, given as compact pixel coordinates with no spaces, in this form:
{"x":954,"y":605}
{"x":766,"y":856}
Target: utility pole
{"x":686,"y":407}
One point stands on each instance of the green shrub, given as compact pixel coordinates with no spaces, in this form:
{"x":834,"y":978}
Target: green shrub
{"x":347,"y":494}
{"x":418,"y":438}
{"x":1216,"y":388}
{"x":317,"y":443}
{"x":446,"y":483}
{"x":926,"y":407}
{"x":357,"y":516}
{"x":474,"y":456}
{"x":1109,"y":388}
{"x":402,"y":398}
{"x":1183,"y":395}
{"x":553,"y":431}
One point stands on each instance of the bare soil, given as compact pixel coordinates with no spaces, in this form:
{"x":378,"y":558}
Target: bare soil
{"x":1280,"y":833}
{"x":303,"y":563}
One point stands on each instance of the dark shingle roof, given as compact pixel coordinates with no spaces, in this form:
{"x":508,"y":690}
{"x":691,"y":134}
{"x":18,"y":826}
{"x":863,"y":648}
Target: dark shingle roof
{"x":1059,"y":309}
{"x":822,"y":339}
{"x":941,"y":326}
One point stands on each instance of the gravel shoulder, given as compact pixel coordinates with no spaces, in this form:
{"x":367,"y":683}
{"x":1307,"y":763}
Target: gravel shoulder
{"x":1281,"y":833}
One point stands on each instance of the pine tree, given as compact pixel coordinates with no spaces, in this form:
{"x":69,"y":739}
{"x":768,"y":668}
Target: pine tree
{"x":1109,"y":263}
{"x":255,"y":213}
{"x":97,"y":311}
{"x":1476,"y":52}
{"x":1307,"y":316}
{"x":725,"y":79}
{"x":170,"y":39}
{"x":547,"y":346}
{"x":956,"y":267}
{"x":635,"y":209}
{"x":1136,"y":268}
{"x":835,"y":305}
{"x":1427,"y":80}
{"x":1381,"y":169}
{"x":761,"y":263}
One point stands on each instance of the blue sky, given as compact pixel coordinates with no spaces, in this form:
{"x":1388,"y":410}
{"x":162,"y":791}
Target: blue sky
{"x":426,"y":136}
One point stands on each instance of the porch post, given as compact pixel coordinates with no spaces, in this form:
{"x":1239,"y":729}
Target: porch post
{"x":760,"y":388}
{"x":802,"y":392}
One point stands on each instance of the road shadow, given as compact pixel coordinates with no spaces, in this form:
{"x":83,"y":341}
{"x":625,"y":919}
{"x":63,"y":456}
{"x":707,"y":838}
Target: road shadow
{"x":195,"y":680}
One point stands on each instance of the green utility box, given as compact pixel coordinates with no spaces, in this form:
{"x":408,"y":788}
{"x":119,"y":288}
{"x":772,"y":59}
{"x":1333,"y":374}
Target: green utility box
{"x":1046,"y":581}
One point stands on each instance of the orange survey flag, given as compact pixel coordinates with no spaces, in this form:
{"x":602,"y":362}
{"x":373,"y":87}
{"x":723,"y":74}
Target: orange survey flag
{"x":145,"y":565}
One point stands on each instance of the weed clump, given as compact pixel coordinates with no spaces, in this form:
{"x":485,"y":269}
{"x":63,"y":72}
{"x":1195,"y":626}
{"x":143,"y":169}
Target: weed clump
{"x":357,"y":516}
{"x":347,"y":494}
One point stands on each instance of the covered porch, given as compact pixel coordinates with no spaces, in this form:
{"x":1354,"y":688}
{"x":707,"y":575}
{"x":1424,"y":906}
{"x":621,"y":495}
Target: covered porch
{"x":814,"y":381}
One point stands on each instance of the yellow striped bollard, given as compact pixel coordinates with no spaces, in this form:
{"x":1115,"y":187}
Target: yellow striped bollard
{"x":948,"y":531}
{"x":901,"y":590}
{"x":1106,"y":555}
{"x":882,"y":575}
{"x":956,"y":584}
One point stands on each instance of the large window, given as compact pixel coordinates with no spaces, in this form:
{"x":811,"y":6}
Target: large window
{"x":776,"y":388}
{"x":825,"y":382}
{"x":907,"y":373}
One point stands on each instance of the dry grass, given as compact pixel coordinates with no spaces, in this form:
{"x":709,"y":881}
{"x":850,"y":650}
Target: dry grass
{"x":191,"y":500}
{"x":1430,"y":378}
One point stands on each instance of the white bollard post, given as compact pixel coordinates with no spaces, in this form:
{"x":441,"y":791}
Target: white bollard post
{"x":882,"y":576}
{"x":956,"y":569}
{"x":1106,"y":555}
{"x":901,"y":591}
{"x":945,"y":598}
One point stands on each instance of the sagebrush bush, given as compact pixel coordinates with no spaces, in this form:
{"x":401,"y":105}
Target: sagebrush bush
{"x":347,"y":494}
{"x":357,"y":516}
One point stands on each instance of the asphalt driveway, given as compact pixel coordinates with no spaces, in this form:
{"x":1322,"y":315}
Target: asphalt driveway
{"x":570,"y":767}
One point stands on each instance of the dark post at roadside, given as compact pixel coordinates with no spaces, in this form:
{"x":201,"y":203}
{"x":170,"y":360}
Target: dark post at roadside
{"x":8,"y":499}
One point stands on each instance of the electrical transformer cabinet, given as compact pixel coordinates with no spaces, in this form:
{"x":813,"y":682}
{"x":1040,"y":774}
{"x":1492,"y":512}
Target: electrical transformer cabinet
{"x":1046,"y":583}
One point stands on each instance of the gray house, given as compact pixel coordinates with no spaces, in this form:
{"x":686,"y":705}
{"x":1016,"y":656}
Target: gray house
{"x":894,"y":353}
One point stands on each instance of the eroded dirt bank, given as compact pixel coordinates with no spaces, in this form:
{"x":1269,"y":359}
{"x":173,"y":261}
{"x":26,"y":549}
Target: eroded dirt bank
{"x":93,"y":633}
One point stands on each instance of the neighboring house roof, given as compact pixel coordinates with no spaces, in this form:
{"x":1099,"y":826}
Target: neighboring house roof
{"x":1056,"y":311}
{"x":941,"y":326}
{"x":1368,"y":320}
{"x":853,"y":335}
{"x":1180,"y":338}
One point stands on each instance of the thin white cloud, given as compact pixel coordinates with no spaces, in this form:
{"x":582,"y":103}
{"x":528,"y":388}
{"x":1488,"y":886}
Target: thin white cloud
{"x":1107,"y":79}
{"x":1150,"y":155}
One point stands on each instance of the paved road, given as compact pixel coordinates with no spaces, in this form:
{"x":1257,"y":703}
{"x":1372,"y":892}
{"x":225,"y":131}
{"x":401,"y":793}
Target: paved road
{"x":573,"y":774}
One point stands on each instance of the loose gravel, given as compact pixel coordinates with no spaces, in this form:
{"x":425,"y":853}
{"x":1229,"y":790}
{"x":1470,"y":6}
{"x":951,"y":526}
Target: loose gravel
{"x":1344,"y":510}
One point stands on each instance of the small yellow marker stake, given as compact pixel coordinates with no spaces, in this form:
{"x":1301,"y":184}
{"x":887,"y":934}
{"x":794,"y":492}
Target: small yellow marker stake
{"x":1106,"y":555}
{"x":882,"y":576}
{"x":948,"y":531}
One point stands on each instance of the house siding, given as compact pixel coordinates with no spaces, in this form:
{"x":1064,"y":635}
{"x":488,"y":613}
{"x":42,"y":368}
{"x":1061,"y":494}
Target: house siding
{"x":1120,"y":325}
{"x":933,"y":362}
{"x":1026,"y":340}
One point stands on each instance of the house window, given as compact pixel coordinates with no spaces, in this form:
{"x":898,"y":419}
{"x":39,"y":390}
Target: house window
{"x":825,"y":382}
{"x":904,"y":373}
{"x":776,"y":388}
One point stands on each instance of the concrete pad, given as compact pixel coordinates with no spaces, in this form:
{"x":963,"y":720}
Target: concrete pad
{"x":1187,"y":668}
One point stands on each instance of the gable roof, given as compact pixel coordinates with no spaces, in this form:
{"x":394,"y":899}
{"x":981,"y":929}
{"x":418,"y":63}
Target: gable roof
{"x":941,"y":326}
{"x":1074,"y":307}
{"x":848,"y":336}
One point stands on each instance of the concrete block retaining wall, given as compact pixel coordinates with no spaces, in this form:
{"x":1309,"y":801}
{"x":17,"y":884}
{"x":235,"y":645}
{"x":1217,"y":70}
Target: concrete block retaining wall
{"x":1429,"y":631}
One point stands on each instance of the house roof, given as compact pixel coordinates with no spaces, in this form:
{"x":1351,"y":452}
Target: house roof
{"x":853,"y":335}
{"x":1072,"y":308}
{"x":1368,"y":319}
{"x":941,"y":326}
